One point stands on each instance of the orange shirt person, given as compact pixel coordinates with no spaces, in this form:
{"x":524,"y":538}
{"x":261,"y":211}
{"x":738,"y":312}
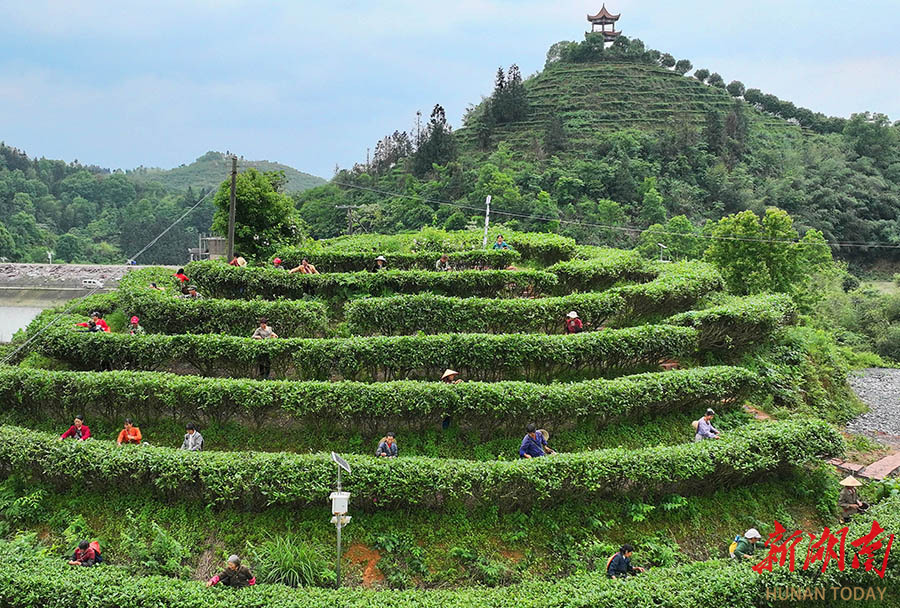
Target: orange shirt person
{"x":130,"y":434}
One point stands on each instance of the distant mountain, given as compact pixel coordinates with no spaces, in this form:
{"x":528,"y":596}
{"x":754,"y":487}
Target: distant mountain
{"x":211,"y":169}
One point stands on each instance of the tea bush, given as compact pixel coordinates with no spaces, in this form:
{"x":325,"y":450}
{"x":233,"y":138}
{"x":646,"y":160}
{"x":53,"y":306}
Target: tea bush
{"x":221,"y":280}
{"x":327,"y":260}
{"x":480,"y":406}
{"x":533,"y":357}
{"x":739,"y":322}
{"x":601,"y":272}
{"x":255,"y":479}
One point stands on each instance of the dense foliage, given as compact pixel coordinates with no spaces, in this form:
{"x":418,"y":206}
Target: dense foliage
{"x":33,"y":579}
{"x":223,"y":281}
{"x":677,"y":286}
{"x":164,"y":313}
{"x":255,"y":479}
{"x":478,"y":406}
{"x":89,"y":214}
{"x":328,"y":260}
{"x":737,"y":323}
{"x":533,"y":357}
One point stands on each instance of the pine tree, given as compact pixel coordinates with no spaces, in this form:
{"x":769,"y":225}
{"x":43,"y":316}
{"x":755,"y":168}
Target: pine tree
{"x":438,"y":146}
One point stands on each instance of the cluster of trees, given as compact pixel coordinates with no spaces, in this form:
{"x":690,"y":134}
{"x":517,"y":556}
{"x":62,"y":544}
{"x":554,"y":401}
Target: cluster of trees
{"x":593,"y":49}
{"x":89,"y":214}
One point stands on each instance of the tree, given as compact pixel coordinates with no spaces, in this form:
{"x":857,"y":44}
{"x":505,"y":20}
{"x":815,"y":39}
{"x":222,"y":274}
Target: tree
{"x":683,"y":66}
{"x":557,"y":52}
{"x":682,"y":239}
{"x":437,"y":147}
{"x":871,"y":135}
{"x":71,"y":248}
{"x":652,"y":209}
{"x":509,"y":102}
{"x":7,"y":243}
{"x":701,"y":74}
{"x":756,"y":255}
{"x":715,"y":80}
{"x":555,"y":139}
{"x":264,"y":216}
{"x":735,"y":88}
{"x":666,"y":60}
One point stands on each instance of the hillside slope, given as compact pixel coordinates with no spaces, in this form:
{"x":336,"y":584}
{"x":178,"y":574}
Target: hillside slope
{"x":590,"y":97}
{"x":207,"y":171}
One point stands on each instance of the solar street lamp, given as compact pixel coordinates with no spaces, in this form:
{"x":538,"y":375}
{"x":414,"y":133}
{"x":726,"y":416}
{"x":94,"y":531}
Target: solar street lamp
{"x":339,"y":503}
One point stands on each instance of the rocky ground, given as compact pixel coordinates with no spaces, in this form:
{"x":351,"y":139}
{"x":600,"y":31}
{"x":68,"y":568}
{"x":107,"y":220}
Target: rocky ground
{"x":59,"y":275}
{"x":880,"y":390}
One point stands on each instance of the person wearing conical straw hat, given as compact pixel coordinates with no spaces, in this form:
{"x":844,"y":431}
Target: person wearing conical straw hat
{"x":573,"y":323}
{"x":451,"y":377}
{"x":848,"y":500}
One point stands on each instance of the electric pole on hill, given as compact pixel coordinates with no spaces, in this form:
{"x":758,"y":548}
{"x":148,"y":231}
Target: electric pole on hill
{"x":229,"y":252}
{"x":350,"y":209}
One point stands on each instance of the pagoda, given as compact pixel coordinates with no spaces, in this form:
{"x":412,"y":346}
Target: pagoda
{"x":607,"y":22}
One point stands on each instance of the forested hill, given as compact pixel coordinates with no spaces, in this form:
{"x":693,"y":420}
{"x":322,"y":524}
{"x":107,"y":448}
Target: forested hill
{"x":206,"y":172}
{"x":86,"y":213}
{"x":628,"y":137}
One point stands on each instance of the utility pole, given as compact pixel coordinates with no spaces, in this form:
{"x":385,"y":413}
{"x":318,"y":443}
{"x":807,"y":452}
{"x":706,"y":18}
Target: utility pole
{"x":231,"y":209}
{"x":349,"y":209}
{"x":487,"y":220}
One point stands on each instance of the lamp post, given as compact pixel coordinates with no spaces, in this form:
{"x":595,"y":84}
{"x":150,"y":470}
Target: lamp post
{"x":662,"y":248}
{"x":339,"y":502}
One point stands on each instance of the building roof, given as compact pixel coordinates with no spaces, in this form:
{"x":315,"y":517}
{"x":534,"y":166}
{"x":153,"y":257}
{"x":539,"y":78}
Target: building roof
{"x":603,"y":15}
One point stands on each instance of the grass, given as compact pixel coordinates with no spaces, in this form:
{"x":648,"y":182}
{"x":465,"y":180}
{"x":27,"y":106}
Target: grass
{"x":889,"y":288}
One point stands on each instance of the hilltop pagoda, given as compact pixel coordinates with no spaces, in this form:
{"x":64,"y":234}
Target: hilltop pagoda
{"x":607,"y":22}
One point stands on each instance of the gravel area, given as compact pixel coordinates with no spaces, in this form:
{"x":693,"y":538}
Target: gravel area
{"x":880,"y":390}
{"x":59,"y":275}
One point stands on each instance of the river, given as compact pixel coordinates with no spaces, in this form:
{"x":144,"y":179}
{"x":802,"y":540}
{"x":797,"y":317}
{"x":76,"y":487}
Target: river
{"x":14,"y":318}
{"x":18,"y":307}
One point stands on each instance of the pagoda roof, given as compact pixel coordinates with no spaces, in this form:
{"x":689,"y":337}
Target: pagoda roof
{"x":603,"y":15}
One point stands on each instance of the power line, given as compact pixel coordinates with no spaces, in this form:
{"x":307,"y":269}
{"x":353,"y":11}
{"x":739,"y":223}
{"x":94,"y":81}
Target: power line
{"x":626,"y":229}
{"x":52,"y":322}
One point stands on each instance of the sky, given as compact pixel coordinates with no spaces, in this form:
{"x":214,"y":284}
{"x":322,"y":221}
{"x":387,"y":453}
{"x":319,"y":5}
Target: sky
{"x":314,"y":84}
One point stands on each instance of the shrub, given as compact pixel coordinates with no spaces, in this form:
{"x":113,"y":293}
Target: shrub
{"x":536,"y":247}
{"x":257,"y":479}
{"x":602,"y":271}
{"x":483,"y":407}
{"x":165,"y":314}
{"x":679,"y":285}
{"x":35,"y":580}
{"x":534,"y":357}
{"x":738,"y":322}
{"x":326,"y":260}
{"x":222,"y":280}
{"x":290,"y":561}
{"x":151,"y":549}
{"x":439,"y":314}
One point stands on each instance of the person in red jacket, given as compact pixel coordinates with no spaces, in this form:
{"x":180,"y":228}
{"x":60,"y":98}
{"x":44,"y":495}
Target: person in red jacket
{"x":181,"y":280}
{"x":84,"y":555}
{"x":99,"y":323}
{"x":573,"y":323}
{"x":79,"y":430}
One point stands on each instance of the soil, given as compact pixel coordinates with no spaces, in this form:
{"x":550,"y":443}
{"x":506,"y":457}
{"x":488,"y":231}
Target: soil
{"x":360,"y":554}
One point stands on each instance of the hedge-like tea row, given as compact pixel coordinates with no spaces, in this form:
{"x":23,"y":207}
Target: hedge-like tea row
{"x":677,"y":287}
{"x":538,"y":247}
{"x":479,"y":406}
{"x":534,"y":357}
{"x":280,"y":478}
{"x":738,"y":322}
{"x":433,"y":314}
{"x":164,"y":313}
{"x":604,"y":271}
{"x":221,"y":280}
{"x":30,"y":580}
{"x":326,"y":260}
